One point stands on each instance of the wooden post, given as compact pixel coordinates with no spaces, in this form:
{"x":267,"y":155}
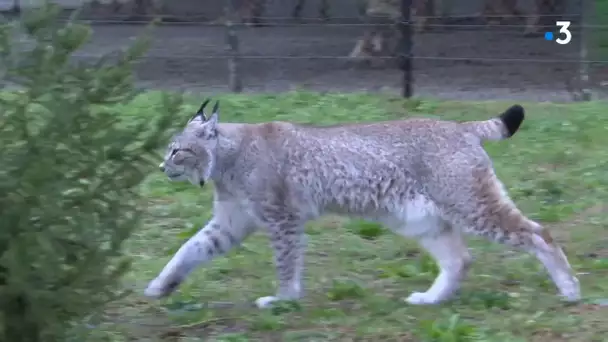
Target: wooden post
{"x":324,"y":10}
{"x":297,"y":9}
{"x":16,"y":8}
{"x":405,"y":55}
{"x":232,"y":46}
{"x":584,"y":41}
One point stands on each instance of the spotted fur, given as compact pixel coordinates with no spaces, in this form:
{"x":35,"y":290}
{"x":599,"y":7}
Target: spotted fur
{"x":429,"y":180}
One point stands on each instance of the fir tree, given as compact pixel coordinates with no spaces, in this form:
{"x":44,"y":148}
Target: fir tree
{"x":70,"y":165}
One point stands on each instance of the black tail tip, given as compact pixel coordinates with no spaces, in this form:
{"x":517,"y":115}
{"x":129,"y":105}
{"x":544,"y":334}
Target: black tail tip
{"x":512,"y":118}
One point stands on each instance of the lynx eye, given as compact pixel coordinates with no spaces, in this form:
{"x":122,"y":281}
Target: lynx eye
{"x":173,"y":152}
{"x":187,"y":150}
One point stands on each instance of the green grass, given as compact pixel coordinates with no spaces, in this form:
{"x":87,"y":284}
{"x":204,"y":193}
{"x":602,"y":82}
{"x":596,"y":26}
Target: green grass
{"x":556,"y":169}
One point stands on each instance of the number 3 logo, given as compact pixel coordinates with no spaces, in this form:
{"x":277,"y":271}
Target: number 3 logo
{"x":563,"y":29}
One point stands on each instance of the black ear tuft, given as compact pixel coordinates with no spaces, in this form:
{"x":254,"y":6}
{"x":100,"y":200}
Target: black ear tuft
{"x":215,"y":107}
{"x":201,"y":111}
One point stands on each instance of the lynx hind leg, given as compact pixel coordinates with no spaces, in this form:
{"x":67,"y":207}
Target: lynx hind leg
{"x":450,"y":251}
{"x":490,"y":213}
{"x":288,"y":242}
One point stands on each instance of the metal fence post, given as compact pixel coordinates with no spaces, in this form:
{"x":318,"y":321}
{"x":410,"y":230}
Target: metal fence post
{"x":405,"y":55}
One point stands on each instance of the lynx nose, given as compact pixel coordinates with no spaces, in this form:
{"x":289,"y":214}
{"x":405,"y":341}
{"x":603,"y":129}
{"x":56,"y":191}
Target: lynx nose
{"x":162,"y":167}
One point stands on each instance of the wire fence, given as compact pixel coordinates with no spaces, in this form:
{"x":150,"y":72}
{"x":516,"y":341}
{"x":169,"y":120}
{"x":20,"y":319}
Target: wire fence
{"x":454,"y":56}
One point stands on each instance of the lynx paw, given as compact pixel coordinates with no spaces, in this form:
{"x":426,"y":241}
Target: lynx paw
{"x":571,"y":291}
{"x":422,"y":298}
{"x":153,"y":292}
{"x":266,"y":302}
{"x":156,"y":289}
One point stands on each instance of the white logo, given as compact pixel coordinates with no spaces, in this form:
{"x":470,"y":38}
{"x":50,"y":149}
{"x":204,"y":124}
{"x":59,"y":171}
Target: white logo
{"x":563,"y":29}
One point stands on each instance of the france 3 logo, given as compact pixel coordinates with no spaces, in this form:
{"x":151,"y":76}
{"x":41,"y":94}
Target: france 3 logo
{"x":564,"y":36}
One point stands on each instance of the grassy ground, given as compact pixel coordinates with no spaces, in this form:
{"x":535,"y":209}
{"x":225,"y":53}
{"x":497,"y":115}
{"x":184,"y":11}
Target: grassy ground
{"x":555,"y":169}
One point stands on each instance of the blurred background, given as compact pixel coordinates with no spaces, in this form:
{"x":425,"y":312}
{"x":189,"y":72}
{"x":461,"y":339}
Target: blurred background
{"x":87,"y":219}
{"x":478,"y":49}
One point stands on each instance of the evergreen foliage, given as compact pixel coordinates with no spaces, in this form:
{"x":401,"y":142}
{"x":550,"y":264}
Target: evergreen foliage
{"x":70,"y":162}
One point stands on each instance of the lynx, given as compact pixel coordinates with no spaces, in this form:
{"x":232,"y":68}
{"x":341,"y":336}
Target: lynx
{"x":425,"y":179}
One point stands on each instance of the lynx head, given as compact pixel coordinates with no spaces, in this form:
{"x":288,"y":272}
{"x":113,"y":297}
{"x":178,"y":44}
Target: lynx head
{"x":191,"y":153}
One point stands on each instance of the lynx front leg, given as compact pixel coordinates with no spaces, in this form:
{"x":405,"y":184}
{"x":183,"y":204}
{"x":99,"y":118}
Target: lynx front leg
{"x":288,"y":242}
{"x":227,"y":229}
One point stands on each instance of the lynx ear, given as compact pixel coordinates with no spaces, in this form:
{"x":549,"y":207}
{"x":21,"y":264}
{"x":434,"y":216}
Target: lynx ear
{"x":215,"y":113}
{"x":208,"y":128}
{"x":201,"y":111}
{"x":212,"y":121}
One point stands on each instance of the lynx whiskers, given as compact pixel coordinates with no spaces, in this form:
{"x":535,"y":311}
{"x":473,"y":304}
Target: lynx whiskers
{"x":425,"y":179}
